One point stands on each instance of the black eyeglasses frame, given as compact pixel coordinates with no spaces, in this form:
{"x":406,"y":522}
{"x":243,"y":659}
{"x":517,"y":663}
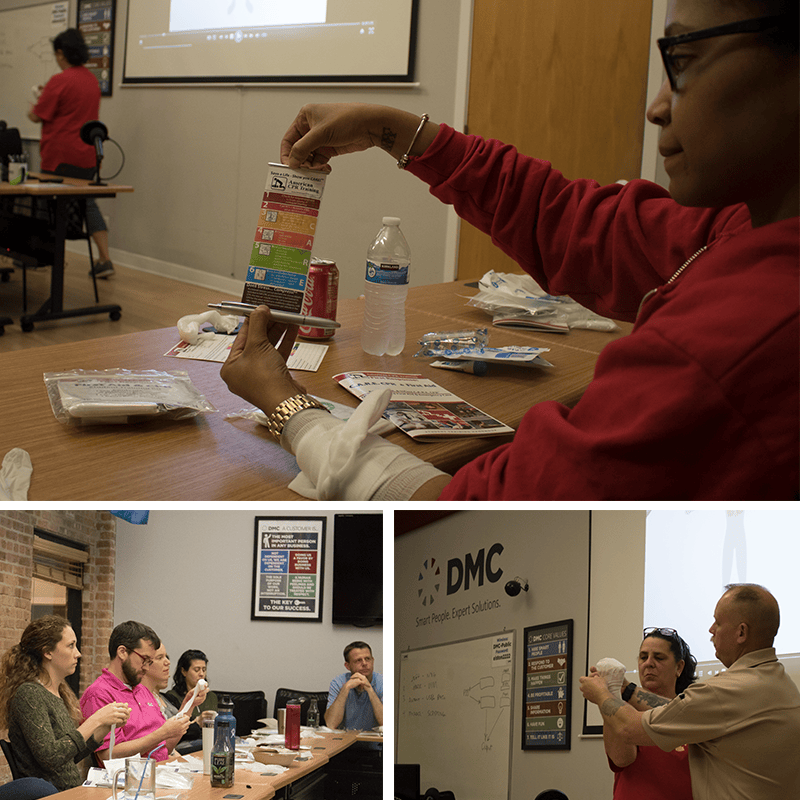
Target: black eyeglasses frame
{"x":755,"y":25}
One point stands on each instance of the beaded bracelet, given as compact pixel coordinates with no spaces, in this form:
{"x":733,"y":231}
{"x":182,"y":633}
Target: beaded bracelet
{"x":402,"y":162}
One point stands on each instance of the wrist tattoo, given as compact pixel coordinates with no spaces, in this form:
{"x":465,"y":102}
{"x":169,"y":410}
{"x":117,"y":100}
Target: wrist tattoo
{"x":386,"y":139}
{"x":650,"y":699}
{"x":611,"y":706}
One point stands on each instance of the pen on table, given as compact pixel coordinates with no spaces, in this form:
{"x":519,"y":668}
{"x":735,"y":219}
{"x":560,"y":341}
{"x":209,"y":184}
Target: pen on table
{"x":473,"y":367}
{"x":245,"y":309}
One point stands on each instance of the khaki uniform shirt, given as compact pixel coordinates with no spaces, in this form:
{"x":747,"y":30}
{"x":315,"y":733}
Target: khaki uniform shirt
{"x":743,"y":731}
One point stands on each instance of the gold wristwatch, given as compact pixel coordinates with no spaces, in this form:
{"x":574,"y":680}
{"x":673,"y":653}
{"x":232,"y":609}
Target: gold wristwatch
{"x":287,"y":409}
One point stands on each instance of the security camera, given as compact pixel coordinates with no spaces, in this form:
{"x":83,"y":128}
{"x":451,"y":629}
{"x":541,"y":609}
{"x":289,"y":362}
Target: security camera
{"x":513,"y":588}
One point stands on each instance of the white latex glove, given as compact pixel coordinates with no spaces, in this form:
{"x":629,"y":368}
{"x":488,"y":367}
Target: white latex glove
{"x":614,"y":673}
{"x":15,"y":475}
{"x":344,"y":461}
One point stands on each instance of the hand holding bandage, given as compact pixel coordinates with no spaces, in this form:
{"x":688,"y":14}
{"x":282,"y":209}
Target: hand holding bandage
{"x":613,"y":672}
{"x":189,"y":703}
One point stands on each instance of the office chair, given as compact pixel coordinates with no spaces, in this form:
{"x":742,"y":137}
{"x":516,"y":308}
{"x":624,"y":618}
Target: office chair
{"x":248,"y":709}
{"x":38,"y":214}
{"x":551,"y":794}
{"x":435,"y":794}
{"x":12,"y":762}
{"x":10,"y":145}
{"x":282,"y":696}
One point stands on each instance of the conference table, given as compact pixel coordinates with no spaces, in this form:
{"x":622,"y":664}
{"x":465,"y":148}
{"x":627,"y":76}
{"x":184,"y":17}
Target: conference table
{"x":217,"y":457}
{"x":41,"y":185}
{"x":249,"y":785}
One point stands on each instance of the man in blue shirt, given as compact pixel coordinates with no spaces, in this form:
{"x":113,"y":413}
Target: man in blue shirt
{"x":355,"y":698}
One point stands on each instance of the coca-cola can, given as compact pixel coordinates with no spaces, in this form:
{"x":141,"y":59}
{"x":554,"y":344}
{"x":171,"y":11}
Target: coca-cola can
{"x":322,"y":291}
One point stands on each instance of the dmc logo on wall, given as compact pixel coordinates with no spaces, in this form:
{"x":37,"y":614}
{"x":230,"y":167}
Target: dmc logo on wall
{"x":461,"y":574}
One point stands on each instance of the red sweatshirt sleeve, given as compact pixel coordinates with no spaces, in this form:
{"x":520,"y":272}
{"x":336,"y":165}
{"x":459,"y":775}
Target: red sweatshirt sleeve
{"x":604,"y":246}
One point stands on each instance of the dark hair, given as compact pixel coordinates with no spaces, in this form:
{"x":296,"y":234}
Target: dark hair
{"x":24,"y":663}
{"x":354,"y":646}
{"x":787,"y":37}
{"x":128,"y":635}
{"x":184,"y":662}
{"x":70,"y":42}
{"x":681,"y":652}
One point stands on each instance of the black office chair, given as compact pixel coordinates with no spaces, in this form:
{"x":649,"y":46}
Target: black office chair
{"x":435,"y":794}
{"x":551,"y":794}
{"x":10,"y":145}
{"x":76,"y":215}
{"x":248,"y":709}
{"x":12,"y":762}
{"x":282,"y":696}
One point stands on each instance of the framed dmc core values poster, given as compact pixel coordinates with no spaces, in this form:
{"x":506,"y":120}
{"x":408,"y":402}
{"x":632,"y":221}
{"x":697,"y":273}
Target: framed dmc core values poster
{"x":288,"y":565}
{"x":547,"y":694}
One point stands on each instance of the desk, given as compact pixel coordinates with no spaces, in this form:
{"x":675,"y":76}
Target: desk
{"x":53,"y":307}
{"x":261,"y":786}
{"x":210,"y":458}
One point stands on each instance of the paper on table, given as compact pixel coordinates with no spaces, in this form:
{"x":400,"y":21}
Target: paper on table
{"x":305,"y":356}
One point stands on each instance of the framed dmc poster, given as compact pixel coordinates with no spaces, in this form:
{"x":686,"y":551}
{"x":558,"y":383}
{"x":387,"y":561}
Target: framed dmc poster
{"x":96,"y":22}
{"x":547,"y":691}
{"x":288,"y":566}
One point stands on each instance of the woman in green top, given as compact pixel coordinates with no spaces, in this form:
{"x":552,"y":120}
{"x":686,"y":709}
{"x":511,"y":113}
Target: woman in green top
{"x":47,"y":733}
{"x":192,"y":666}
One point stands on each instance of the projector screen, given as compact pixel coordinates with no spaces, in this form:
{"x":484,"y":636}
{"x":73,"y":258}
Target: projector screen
{"x":255,"y":41}
{"x":676,"y":578}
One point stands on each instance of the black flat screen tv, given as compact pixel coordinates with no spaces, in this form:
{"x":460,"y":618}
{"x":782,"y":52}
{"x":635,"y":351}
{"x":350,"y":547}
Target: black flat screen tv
{"x":358,"y":569}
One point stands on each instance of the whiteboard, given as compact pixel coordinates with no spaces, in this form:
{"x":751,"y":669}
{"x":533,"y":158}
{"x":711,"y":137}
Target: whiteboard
{"x":454,"y":715}
{"x":27,"y":60}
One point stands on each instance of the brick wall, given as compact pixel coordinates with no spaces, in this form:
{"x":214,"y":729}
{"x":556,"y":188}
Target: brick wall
{"x":94,"y":529}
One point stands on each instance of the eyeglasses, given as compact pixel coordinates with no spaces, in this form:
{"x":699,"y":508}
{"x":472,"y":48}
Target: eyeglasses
{"x":146,"y":660}
{"x":744,"y":26}
{"x":670,"y":633}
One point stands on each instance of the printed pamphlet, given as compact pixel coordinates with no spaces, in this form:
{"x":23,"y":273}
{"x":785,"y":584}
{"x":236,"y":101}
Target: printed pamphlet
{"x":281,"y":252}
{"x":422,"y":408}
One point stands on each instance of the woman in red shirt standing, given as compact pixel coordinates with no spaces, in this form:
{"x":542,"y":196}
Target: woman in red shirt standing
{"x":666,"y":668}
{"x":64,"y":104}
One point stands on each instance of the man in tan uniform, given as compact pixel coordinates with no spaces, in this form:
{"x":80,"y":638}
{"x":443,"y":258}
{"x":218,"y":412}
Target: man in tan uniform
{"x":742,"y":726}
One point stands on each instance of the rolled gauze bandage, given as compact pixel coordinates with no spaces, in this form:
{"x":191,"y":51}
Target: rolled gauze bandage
{"x":614,"y":673}
{"x":344,"y":461}
{"x":189,"y":326}
{"x":187,"y":706}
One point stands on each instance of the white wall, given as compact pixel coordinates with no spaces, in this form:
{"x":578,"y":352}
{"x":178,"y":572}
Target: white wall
{"x":188,"y":574}
{"x":551,"y":550}
{"x":197,"y":159}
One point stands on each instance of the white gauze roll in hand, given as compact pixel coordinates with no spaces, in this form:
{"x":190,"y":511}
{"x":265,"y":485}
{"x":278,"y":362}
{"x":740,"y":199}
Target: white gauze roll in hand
{"x":189,"y":326}
{"x":614,"y":673}
{"x":187,"y":706}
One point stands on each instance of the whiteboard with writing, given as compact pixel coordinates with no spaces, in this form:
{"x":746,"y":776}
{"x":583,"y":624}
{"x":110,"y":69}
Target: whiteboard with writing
{"x":27,"y":59}
{"x":454,"y":715}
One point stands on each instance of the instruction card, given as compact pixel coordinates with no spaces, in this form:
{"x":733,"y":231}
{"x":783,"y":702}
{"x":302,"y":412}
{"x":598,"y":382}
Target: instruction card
{"x":281,"y":253}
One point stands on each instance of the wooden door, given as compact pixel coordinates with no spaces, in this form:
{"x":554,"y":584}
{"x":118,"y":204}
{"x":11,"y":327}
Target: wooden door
{"x":562,"y":80}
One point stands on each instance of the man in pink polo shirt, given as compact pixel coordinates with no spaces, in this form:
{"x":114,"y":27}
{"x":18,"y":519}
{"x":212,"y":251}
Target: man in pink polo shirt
{"x":131,"y":648}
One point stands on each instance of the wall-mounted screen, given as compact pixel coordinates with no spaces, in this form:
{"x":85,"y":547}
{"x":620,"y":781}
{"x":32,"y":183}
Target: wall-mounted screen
{"x":358,"y":569}
{"x":255,"y":41}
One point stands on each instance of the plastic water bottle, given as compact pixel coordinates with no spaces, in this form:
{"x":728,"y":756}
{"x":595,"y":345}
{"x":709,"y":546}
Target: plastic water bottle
{"x":312,"y":718}
{"x":385,"y":289}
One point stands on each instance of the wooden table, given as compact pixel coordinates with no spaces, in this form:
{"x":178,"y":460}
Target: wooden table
{"x":247,"y":785}
{"x":211,"y":458}
{"x":53,"y":307}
